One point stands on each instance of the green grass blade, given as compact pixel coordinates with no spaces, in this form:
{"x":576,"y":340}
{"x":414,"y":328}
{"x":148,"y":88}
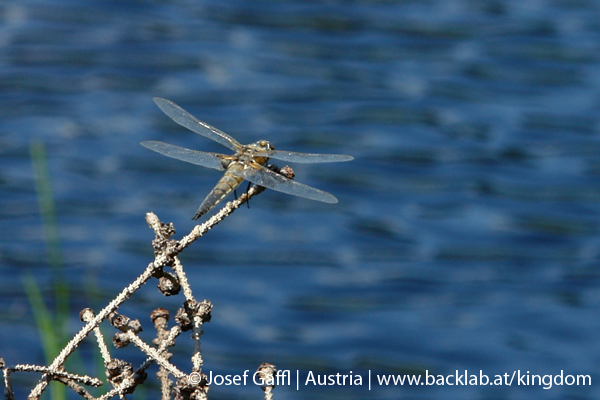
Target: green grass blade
{"x":50,"y":225}
{"x":52,"y":330}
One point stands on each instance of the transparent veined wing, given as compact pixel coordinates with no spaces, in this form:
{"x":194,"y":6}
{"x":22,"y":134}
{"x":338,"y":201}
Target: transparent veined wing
{"x":262,"y":176}
{"x":209,"y":160}
{"x":306,"y":158}
{"x":187,"y":120}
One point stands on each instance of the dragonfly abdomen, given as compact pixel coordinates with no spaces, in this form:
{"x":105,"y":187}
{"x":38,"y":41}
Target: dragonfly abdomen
{"x":226,"y":185}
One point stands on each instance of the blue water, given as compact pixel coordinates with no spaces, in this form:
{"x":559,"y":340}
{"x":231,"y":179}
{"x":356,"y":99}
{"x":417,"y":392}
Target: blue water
{"x":466,"y":236}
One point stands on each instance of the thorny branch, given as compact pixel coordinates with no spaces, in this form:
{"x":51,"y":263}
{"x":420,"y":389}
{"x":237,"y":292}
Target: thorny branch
{"x":191,"y":316}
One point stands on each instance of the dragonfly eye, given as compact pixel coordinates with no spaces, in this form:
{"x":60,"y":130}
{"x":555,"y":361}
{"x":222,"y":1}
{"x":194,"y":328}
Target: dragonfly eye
{"x":265,"y":145}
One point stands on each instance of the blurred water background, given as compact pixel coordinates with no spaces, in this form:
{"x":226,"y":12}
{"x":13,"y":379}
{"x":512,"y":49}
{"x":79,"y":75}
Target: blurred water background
{"x":467,"y":230}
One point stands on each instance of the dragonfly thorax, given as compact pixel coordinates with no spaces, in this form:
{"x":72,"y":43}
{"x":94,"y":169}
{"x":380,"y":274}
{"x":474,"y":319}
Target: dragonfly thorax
{"x":258,"y":151}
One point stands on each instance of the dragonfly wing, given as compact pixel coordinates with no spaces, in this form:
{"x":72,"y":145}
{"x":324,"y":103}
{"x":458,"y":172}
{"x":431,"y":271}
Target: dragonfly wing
{"x":209,"y":160}
{"x":306,"y":158}
{"x":262,"y":176}
{"x":187,"y":120}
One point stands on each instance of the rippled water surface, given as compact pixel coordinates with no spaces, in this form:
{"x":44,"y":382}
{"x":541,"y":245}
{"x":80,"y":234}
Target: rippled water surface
{"x":466,"y":236}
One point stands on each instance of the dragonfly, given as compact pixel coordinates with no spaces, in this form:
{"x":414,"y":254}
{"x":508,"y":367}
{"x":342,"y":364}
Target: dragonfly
{"x":249,"y":162}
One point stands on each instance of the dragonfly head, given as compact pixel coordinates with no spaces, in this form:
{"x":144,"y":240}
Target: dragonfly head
{"x":262,"y":145}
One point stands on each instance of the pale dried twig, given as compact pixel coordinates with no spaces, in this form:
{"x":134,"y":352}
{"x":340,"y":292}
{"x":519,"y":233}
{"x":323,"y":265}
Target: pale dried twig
{"x":191,"y":316}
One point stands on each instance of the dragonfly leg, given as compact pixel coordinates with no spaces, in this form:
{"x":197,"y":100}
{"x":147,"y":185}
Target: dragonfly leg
{"x":247,"y":190}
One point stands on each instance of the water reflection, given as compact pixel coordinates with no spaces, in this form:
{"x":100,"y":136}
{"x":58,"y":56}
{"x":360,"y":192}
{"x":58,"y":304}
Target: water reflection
{"x":466,"y":232}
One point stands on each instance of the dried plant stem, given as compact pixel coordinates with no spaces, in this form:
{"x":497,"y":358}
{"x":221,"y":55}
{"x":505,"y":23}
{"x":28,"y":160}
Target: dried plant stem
{"x":170,"y":341}
{"x":86,"y":380}
{"x":87,"y":315}
{"x":152,"y":352}
{"x":166,"y":339}
{"x":229,"y":208}
{"x":266,"y":373}
{"x":117,"y":391}
{"x":185,"y":285}
{"x":191,"y":316}
{"x":269,"y":393}
{"x":197,"y":360}
{"x":112,"y":306}
{"x":8,"y":389}
{"x":80,"y":390}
